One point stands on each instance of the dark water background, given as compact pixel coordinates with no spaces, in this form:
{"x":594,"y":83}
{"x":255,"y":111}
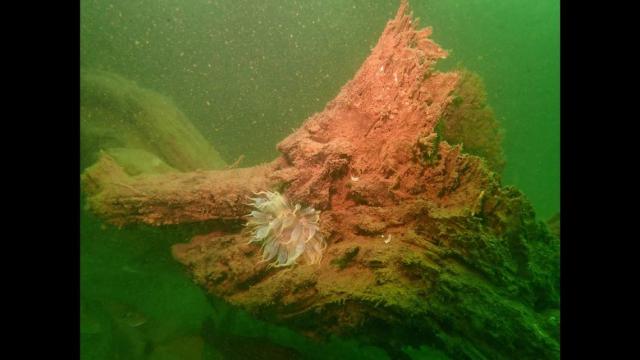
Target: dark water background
{"x":246,"y":73}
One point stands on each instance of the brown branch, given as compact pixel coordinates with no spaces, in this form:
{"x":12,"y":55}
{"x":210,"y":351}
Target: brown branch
{"x":171,"y":198}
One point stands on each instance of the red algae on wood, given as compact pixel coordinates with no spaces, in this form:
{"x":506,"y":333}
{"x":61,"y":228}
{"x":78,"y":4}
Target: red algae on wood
{"x":424,"y":244}
{"x":175,"y":198}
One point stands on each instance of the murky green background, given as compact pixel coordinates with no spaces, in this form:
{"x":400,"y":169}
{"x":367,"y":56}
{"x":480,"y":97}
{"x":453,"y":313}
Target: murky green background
{"x":246,"y":73}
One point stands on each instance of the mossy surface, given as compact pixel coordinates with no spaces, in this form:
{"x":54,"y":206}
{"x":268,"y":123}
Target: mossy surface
{"x":343,"y":261}
{"x":471,"y":122}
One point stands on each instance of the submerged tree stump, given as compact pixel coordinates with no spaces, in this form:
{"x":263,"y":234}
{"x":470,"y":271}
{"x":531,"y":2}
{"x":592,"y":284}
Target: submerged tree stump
{"x":424,"y":244}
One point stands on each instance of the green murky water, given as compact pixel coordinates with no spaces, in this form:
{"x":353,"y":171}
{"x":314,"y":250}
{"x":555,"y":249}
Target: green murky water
{"x":246,"y":73}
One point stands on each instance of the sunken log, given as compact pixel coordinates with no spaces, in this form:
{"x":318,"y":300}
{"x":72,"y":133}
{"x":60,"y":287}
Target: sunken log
{"x":172,"y":198}
{"x":425,"y":246}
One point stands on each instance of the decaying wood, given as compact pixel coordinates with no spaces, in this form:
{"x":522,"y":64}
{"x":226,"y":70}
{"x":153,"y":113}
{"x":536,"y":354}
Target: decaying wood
{"x":174,"y":198}
{"x":425,"y":246}
{"x":379,"y":129}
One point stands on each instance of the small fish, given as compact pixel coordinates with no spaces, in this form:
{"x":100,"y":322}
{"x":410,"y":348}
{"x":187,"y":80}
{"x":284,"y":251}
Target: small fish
{"x":129,"y":269}
{"x":134,"y":319}
{"x":126,"y":314}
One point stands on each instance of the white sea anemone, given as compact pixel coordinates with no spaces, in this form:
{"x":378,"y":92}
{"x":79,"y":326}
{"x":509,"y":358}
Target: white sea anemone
{"x":285,"y":232}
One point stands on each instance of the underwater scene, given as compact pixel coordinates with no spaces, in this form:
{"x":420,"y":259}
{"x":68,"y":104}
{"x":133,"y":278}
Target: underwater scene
{"x":336,"y":179}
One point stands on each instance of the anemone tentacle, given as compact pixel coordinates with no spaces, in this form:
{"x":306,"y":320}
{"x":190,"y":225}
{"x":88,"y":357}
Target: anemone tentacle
{"x":285,"y":232}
